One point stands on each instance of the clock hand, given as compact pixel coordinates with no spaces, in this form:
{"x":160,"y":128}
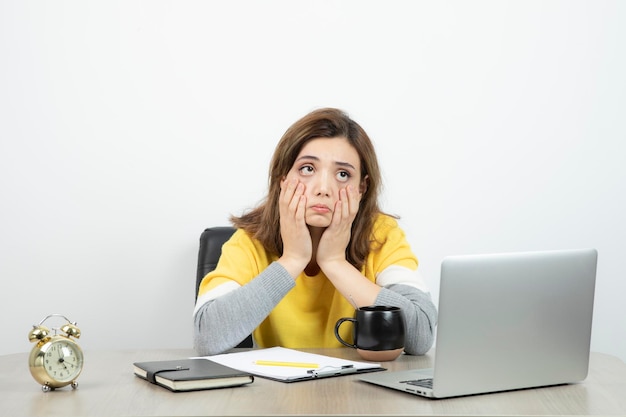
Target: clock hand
{"x":62,"y":358}
{"x":62,"y":362}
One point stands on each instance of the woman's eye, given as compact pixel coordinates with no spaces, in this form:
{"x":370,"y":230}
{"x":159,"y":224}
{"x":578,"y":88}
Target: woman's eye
{"x":306,"y":170}
{"x":343,"y":176}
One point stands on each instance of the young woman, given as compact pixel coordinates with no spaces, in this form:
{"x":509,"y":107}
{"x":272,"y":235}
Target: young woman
{"x":317,"y":247}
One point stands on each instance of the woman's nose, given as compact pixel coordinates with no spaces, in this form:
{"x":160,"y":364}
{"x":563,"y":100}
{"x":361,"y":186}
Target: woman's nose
{"x":323,"y":185}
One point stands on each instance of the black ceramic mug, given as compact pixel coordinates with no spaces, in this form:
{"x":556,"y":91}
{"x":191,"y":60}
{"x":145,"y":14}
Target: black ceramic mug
{"x":378,"y":332}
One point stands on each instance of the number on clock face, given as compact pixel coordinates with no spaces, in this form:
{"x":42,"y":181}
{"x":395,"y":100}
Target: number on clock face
{"x":62,"y":362}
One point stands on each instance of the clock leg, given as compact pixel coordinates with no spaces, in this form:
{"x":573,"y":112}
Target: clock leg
{"x":74,"y":384}
{"x":46,"y":388}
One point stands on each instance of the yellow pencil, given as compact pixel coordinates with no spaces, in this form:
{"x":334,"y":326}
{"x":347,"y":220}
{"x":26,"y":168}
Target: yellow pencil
{"x":292,"y":364}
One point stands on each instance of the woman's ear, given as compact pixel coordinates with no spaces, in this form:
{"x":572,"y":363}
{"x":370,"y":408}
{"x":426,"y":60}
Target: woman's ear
{"x":363,"y":185}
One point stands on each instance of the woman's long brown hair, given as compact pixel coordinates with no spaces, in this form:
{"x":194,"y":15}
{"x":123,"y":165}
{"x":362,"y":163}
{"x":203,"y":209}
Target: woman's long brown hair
{"x":263,"y":222}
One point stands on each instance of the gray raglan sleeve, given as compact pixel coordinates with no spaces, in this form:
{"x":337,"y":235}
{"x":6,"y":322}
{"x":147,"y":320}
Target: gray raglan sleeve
{"x":420,"y":315}
{"x":222,"y":323}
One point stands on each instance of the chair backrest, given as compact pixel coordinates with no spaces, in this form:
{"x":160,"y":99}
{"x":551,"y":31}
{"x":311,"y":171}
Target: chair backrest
{"x":211,"y":241}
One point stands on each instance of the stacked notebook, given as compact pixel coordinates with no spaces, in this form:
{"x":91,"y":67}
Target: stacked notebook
{"x":191,"y":374}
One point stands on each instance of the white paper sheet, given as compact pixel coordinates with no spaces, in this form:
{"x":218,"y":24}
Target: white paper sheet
{"x":327,"y":365}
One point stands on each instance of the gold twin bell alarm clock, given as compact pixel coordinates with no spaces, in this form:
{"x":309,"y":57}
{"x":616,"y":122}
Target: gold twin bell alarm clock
{"x":56,"y":360}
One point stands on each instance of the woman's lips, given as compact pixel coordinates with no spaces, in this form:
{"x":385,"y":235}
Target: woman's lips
{"x":320,"y":208}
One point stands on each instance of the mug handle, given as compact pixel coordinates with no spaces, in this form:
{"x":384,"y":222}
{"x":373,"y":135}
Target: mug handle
{"x":339,"y":323}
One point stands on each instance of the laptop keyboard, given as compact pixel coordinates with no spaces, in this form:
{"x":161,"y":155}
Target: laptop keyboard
{"x":424,"y":383}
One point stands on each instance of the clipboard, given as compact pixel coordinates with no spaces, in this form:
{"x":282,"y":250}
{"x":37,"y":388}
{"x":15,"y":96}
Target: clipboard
{"x":327,"y":366}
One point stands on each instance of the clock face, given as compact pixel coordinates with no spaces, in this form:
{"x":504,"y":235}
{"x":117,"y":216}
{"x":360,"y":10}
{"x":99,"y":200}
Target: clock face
{"x":63,"y":360}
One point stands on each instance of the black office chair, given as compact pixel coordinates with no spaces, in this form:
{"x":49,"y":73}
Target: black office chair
{"x":211,"y":241}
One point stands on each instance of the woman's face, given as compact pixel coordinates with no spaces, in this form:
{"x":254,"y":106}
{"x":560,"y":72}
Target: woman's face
{"x":325,"y":166}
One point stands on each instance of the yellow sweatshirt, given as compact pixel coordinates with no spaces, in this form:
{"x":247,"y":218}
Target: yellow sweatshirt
{"x":306,"y":315}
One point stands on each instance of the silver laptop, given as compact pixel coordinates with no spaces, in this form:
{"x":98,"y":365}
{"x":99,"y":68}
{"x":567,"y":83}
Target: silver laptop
{"x":507,"y":321}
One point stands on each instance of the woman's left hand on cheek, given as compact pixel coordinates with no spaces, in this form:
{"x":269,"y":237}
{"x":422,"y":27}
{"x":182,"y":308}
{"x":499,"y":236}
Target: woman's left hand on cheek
{"x":346,"y":209}
{"x":336,"y":237}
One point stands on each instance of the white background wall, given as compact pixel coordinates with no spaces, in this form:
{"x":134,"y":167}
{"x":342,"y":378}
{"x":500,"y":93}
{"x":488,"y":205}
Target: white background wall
{"x":128,"y":127}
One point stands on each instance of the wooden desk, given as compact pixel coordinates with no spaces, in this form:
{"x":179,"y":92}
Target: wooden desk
{"x":107,"y":387}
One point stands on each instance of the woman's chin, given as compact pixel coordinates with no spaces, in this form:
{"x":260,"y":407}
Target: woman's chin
{"x":317,"y":221}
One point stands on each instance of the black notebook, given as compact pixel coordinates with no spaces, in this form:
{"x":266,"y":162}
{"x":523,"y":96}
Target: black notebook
{"x":191,"y":374}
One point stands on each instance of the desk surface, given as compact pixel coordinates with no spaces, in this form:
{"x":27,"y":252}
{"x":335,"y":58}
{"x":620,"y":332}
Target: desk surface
{"x":107,"y":387}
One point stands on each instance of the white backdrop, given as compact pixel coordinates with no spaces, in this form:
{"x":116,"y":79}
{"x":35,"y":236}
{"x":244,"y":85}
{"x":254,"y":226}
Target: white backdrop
{"x":128,"y":127}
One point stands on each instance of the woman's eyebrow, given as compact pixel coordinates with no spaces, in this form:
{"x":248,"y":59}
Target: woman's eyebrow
{"x":346,"y":165}
{"x":315,"y":158}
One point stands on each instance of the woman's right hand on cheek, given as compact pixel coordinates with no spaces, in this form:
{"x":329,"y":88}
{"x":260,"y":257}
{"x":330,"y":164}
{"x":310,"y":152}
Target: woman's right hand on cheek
{"x":297,"y":246}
